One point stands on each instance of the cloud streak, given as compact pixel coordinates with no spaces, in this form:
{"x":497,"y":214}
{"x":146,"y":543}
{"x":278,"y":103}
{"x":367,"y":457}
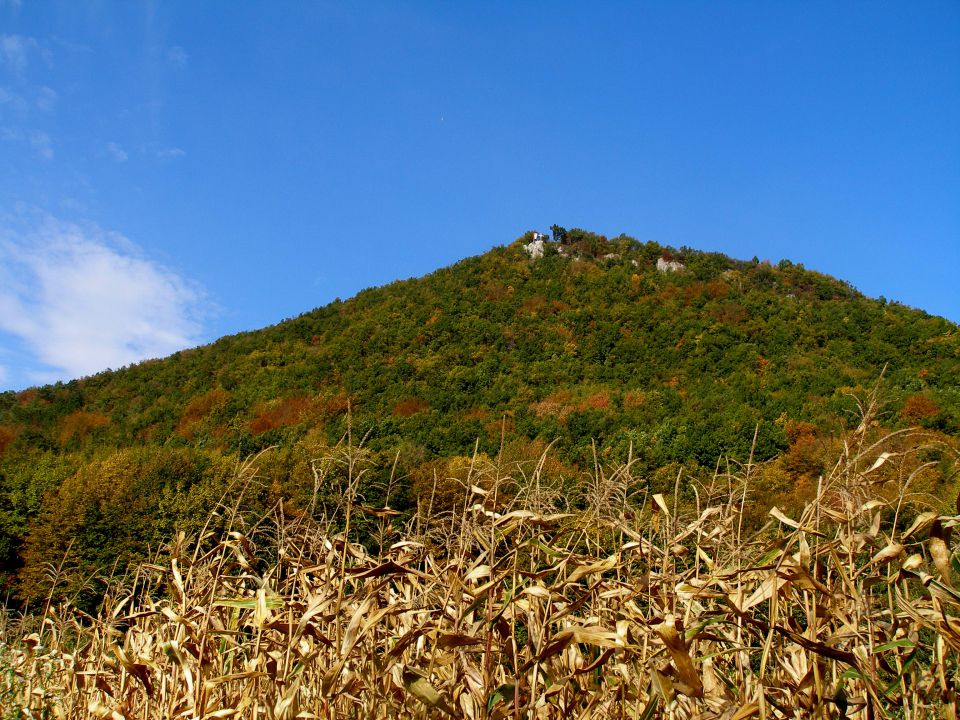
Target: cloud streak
{"x":82,"y":300}
{"x":15,"y":51}
{"x":116,"y":151}
{"x":170,"y":153}
{"x":40,"y":141}
{"x":42,"y":144}
{"x":46,"y":98}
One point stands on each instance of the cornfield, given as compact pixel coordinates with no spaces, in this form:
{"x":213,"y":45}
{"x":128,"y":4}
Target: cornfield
{"x":633,"y":605}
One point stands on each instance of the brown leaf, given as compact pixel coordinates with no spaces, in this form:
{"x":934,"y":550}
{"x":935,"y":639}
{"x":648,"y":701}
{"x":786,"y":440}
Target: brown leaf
{"x":382,"y":513}
{"x":667,"y":630}
{"x":593,"y":568}
{"x":663,"y":685}
{"x":921,"y":523}
{"x":417,"y":685}
{"x":747,"y":711}
{"x":939,"y":545}
{"x":387,"y":568}
{"x":449,"y":640}
{"x":890,"y":552}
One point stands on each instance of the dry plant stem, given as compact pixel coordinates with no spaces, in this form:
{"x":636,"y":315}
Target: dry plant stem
{"x":640,"y":606}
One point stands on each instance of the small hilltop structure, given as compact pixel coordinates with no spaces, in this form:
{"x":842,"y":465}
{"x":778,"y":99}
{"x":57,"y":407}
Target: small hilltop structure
{"x":578,"y":243}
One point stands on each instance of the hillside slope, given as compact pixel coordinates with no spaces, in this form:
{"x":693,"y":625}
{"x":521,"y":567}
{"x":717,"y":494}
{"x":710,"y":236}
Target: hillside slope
{"x":592,"y":348}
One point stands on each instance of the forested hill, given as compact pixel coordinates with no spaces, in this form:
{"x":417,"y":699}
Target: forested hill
{"x":601,"y":347}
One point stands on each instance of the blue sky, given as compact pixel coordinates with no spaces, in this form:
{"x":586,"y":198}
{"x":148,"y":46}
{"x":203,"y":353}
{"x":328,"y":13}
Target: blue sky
{"x":174,"y":171}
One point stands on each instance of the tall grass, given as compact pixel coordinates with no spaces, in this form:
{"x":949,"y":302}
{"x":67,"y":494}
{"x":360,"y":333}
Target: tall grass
{"x":515,"y":605}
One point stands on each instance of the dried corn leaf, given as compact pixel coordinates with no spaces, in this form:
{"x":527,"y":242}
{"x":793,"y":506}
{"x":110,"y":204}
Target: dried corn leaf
{"x":939,"y":545}
{"x":692,"y":685}
{"x":921,"y":524}
{"x":602,"y":566}
{"x":417,"y":685}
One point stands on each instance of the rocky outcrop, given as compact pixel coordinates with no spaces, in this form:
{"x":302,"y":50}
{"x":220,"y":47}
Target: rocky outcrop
{"x":535,"y":249}
{"x":665,"y":266}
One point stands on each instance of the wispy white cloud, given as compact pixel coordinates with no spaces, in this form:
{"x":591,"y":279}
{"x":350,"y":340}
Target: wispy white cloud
{"x":25,"y":105}
{"x":37,"y":139}
{"x":41,"y":143}
{"x":15,"y":51}
{"x":73,"y":205}
{"x":46,"y":98}
{"x":13,"y":101}
{"x":82,"y":300}
{"x":115,"y":151}
{"x":177,"y":57}
{"x":170,"y":153}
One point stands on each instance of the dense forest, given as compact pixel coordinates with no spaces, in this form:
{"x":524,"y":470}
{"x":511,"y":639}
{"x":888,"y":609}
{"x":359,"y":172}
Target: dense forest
{"x":599,"y":351}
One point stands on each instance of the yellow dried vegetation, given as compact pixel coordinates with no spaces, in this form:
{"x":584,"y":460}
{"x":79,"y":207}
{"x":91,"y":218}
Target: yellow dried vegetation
{"x":518,"y":605}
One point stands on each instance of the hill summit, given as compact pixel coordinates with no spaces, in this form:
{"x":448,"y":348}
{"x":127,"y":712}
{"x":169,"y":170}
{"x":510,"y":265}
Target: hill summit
{"x":598,"y":349}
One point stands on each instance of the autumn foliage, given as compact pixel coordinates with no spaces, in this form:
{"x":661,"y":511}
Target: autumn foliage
{"x":79,"y":424}
{"x":7,"y":436}
{"x":918,"y":409}
{"x":280,"y":413}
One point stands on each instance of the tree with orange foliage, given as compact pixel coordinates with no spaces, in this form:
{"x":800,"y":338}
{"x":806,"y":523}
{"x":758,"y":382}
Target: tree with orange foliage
{"x":919,"y":409}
